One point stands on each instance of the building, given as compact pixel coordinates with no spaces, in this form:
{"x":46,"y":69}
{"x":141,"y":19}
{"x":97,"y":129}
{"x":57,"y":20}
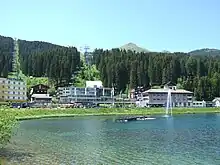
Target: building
{"x":94,"y":84}
{"x":93,"y":92}
{"x":13,"y":90}
{"x":158,"y":97}
{"x":216,"y":102}
{"x":39,"y":89}
{"x":199,"y":104}
{"x":78,"y":94}
{"x":39,"y":95}
{"x":137,"y":92}
{"x":41,"y":98}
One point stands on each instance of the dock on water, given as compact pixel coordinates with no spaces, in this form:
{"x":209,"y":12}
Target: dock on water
{"x":134,"y":118}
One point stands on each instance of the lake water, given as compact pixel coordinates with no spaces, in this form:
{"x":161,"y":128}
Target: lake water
{"x":180,"y":140}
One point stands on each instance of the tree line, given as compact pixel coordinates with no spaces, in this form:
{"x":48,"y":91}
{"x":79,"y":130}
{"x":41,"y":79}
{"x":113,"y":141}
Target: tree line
{"x":127,"y":69}
{"x":6,"y":50}
{"x":40,"y":59}
{"x":122,"y":69}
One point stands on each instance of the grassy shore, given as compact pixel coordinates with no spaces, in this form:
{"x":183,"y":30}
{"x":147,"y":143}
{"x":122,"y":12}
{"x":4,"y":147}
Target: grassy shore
{"x":22,"y":114}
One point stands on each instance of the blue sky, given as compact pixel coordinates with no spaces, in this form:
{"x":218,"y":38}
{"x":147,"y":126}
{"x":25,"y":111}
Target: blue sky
{"x":174,"y":25}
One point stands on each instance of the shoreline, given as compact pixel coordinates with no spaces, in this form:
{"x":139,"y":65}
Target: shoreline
{"x":32,"y":114}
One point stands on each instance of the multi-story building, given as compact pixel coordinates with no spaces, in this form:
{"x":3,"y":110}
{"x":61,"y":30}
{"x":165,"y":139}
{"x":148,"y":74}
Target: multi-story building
{"x":93,"y":92}
{"x":78,"y":94}
{"x":13,"y":90}
{"x":158,"y":97}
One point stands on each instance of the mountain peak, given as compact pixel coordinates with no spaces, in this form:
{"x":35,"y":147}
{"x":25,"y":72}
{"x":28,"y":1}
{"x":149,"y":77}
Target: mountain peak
{"x":133,"y":47}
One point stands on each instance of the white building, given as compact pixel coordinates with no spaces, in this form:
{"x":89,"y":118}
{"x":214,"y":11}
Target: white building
{"x":216,"y":102}
{"x":199,"y":103}
{"x":91,"y":93}
{"x":158,"y":97}
{"x":41,"y":98}
{"x":94,"y":84}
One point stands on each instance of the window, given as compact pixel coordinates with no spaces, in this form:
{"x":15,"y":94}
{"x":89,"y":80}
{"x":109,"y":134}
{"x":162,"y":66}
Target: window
{"x":8,"y":82}
{"x":13,"y":92}
{"x":13,"y":97}
{"x":18,"y":98}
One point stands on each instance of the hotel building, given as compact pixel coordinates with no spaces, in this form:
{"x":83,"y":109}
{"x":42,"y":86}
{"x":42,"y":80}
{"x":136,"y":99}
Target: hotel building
{"x":12,"y":90}
{"x":158,"y":97}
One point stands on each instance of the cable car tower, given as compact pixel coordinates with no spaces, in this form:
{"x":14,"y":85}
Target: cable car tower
{"x":87,"y":54}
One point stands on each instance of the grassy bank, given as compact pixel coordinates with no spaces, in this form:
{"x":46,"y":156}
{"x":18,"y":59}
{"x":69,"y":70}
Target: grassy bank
{"x":22,"y":114}
{"x":7,"y":122}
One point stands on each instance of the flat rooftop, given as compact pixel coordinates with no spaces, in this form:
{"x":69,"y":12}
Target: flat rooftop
{"x":166,"y":90}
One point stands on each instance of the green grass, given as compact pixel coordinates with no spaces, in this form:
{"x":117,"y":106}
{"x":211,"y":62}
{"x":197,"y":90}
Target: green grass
{"x":22,"y":114}
{"x":7,"y":122}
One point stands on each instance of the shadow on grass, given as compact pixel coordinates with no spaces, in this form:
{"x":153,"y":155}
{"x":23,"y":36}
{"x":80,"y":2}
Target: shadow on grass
{"x":11,"y":155}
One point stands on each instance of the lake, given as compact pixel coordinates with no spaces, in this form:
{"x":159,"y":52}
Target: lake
{"x":178,"y":140}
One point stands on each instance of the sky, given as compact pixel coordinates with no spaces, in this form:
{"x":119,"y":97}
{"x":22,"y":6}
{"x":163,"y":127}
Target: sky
{"x":157,"y":25}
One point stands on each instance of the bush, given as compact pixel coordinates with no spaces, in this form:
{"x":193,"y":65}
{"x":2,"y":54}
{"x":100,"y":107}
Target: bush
{"x":7,"y":122}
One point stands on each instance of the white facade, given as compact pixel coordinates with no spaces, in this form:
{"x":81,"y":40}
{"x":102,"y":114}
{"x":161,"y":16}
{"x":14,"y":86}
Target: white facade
{"x":94,"y":84}
{"x":216,"y":102}
{"x":77,"y":94}
{"x":199,"y":103}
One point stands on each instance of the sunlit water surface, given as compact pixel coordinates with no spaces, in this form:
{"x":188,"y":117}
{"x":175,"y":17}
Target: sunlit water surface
{"x":179,"y":140}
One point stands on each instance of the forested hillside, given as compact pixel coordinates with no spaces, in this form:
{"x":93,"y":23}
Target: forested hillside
{"x":122,"y":68}
{"x":41,"y":59}
{"x":205,"y":52}
{"x":6,"y":49}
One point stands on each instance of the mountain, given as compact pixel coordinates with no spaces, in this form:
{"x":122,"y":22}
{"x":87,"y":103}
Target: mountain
{"x":133,"y":47}
{"x":205,"y":52}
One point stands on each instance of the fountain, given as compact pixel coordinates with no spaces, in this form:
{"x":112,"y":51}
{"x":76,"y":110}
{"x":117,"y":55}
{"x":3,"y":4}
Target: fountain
{"x":169,"y":104}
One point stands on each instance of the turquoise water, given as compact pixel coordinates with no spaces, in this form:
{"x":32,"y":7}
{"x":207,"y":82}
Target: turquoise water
{"x":180,"y":140}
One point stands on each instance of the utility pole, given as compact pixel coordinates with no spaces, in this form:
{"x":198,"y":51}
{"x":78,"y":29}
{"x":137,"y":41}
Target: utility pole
{"x":86,"y":53}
